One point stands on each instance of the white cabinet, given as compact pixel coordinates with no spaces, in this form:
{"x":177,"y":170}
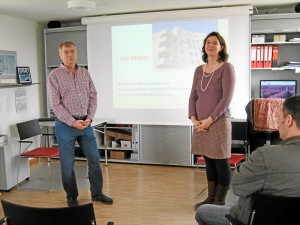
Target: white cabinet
{"x":149,"y":144}
{"x":121,"y":140}
{"x":166,"y":144}
{"x":9,"y":166}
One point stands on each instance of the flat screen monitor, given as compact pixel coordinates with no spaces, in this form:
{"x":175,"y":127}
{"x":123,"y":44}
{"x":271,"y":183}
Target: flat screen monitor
{"x":278,"y":88}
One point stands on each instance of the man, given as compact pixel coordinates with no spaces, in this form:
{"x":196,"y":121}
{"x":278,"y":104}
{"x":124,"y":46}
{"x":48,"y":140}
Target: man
{"x":273,"y":170}
{"x":73,"y":99}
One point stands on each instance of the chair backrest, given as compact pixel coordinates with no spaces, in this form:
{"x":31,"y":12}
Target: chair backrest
{"x":274,"y":210}
{"x":239,"y":136}
{"x":20,"y":215}
{"x":29,"y":129}
{"x":239,"y":130}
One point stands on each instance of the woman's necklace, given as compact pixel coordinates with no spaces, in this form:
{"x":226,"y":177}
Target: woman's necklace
{"x":209,"y":75}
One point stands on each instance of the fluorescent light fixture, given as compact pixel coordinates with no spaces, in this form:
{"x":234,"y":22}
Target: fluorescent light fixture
{"x":81,"y":5}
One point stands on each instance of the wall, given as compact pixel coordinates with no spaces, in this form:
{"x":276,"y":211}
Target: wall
{"x":26,"y":38}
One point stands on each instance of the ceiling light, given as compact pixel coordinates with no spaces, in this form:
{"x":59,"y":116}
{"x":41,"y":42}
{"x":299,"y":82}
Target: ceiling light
{"x":81,"y":5}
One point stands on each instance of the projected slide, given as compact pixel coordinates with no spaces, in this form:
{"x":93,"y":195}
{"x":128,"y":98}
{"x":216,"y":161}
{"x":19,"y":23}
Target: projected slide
{"x":153,"y":64}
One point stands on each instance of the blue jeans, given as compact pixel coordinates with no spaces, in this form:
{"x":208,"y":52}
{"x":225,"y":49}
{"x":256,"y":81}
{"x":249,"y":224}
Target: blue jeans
{"x":66,"y":138}
{"x":212,"y":215}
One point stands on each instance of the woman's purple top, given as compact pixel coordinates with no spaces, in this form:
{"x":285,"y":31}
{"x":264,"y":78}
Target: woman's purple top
{"x":215,"y":101}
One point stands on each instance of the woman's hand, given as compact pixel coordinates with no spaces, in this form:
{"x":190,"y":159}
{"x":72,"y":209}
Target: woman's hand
{"x":205,"y":124}
{"x":196,"y":123}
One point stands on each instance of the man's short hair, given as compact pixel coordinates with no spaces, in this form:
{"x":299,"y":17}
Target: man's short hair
{"x":66,"y":44}
{"x":291,"y":106}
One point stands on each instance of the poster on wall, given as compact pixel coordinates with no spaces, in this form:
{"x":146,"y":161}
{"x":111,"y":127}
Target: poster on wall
{"x":21,"y":100}
{"x":7,"y":103}
{"x":8,"y":62}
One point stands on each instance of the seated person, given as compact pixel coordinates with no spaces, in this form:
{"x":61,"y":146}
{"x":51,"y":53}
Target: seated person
{"x":272,"y":169}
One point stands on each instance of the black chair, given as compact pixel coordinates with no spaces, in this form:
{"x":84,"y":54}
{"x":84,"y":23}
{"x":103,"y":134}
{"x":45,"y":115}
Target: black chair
{"x":257,"y":135}
{"x":3,"y":221}
{"x":16,"y":214}
{"x":240,"y":137}
{"x":27,"y":130}
{"x":271,"y":210}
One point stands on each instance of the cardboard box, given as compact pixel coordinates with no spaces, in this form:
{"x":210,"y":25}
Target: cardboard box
{"x":118,"y":154}
{"x":279,"y":38}
{"x":125,"y":144}
{"x":258,"y":39}
{"x":3,"y":139}
{"x":120,"y":134}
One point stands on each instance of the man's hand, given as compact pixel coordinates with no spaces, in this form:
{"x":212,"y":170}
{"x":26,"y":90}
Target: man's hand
{"x":81,"y":124}
{"x":87,"y":122}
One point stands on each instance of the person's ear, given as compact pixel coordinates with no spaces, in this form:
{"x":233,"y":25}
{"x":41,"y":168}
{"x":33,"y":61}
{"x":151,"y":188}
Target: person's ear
{"x":289,"y":120}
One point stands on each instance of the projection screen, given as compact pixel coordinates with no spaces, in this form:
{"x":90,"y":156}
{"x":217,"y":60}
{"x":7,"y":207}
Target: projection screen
{"x":143,"y":64}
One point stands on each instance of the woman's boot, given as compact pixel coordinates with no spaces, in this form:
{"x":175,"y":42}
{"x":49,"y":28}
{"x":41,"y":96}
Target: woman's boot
{"x":212,"y":189}
{"x":221,"y":195}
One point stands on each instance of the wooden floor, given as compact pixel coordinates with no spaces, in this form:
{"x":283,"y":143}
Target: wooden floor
{"x":142,"y":194}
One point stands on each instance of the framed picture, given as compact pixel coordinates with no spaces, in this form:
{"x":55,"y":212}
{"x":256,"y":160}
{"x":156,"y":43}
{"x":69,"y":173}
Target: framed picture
{"x":8,"y":63}
{"x":24,"y":75}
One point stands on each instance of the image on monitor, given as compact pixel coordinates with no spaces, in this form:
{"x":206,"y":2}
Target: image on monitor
{"x":278,"y":88}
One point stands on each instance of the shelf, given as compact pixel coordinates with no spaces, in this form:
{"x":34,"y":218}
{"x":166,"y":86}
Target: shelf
{"x":280,"y":31}
{"x":120,"y":128}
{"x":278,"y":43}
{"x":11,"y":85}
{"x":122,"y":160}
{"x":123,"y":149}
{"x":110,"y":160}
{"x":274,"y":69}
{"x":117,"y":148}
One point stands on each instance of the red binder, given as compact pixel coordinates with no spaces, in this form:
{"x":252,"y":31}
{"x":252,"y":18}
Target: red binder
{"x":266,"y":55}
{"x":259,"y":56}
{"x":270,"y":53}
{"x":253,"y":56}
{"x":274,"y":56}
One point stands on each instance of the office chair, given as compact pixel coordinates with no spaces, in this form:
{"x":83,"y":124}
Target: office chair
{"x":234,"y":160}
{"x":30,"y":129}
{"x":263,"y":117}
{"x":271,"y":210}
{"x":16,"y":214}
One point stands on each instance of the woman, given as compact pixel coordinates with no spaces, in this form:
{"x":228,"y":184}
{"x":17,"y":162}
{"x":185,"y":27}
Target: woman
{"x":210,"y":97}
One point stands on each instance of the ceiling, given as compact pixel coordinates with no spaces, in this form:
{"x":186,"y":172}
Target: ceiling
{"x":46,"y":10}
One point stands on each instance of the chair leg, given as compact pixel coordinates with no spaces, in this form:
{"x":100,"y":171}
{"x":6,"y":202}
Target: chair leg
{"x":19,"y":162}
{"x":252,"y":217}
{"x":38,"y":169}
{"x":3,"y":220}
{"x":51,"y":173}
{"x":18,"y":171}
